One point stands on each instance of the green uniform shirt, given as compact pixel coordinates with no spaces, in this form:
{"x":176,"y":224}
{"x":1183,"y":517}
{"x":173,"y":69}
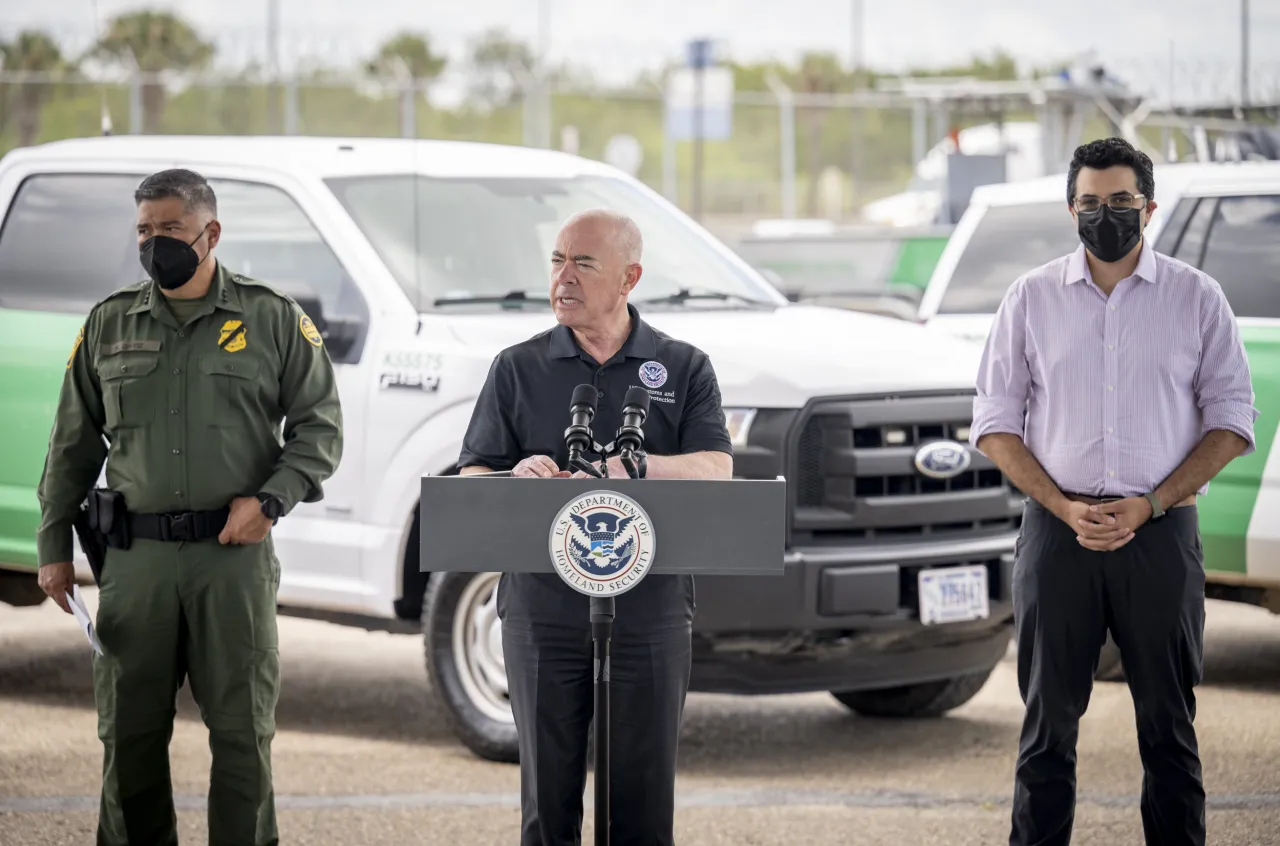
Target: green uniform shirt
{"x":191,"y":412}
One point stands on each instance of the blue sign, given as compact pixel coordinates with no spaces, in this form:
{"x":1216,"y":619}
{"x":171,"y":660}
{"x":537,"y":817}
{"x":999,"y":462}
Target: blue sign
{"x":699,"y":53}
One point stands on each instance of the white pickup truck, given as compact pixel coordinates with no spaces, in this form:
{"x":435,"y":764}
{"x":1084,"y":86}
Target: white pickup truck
{"x":419,"y":261}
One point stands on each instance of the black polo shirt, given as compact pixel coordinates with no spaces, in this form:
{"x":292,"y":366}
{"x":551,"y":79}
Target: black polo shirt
{"x":523,"y":410}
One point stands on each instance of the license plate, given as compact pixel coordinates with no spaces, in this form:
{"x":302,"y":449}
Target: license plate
{"x":953,"y":594}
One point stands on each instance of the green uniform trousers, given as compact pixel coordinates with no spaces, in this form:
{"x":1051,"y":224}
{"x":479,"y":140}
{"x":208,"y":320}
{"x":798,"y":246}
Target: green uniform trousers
{"x":170,"y":611}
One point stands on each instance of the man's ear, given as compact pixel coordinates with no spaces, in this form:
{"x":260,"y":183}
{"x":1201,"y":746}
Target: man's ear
{"x":634,"y":271}
{"x":213,"y":233}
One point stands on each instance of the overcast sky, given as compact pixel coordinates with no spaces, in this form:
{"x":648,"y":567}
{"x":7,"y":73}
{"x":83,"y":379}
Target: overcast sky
{"x":618,"y":37}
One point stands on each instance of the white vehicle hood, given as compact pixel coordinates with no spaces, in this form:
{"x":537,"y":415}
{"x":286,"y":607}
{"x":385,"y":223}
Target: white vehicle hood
{"x":966,"y":327}
{"x":785,"y":357}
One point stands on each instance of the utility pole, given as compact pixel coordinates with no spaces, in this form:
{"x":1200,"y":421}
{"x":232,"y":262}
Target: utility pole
{"x":543,"y":74}
{"x":699,"y":58}
{"x":855,"y":32}
{"x":273,"y":65}
{"x":1244,"y":52}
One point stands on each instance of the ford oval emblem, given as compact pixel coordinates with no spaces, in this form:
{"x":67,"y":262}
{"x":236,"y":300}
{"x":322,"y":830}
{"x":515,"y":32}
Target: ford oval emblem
{"x":942,"y":459}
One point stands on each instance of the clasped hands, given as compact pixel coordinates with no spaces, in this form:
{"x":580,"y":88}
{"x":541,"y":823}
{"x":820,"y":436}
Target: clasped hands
{"x":1109,"y":525}
{"x":542,"y":467}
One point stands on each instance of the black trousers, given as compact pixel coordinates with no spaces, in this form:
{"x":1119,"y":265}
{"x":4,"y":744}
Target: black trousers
{"x":549,"y":665}
{"x":1150,"y":595}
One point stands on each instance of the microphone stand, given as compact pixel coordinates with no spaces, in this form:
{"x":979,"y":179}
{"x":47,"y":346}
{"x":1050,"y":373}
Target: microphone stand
{"x":602,"y":614}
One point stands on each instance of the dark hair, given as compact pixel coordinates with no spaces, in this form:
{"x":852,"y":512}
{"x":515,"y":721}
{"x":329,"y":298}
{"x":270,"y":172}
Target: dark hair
{"x":1107,"y":152}
{"x":190,"y":186}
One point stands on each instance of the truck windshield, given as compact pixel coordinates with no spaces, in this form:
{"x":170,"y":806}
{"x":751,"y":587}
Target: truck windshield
{"x":1008,"y":241}
{"x":474,"y":241}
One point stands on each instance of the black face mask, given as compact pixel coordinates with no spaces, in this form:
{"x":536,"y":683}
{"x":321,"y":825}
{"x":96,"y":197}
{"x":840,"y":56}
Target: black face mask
{"x":171,"y":262}
{"x":1110,"y":234}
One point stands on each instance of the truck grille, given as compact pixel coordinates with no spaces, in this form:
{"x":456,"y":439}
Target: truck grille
{"x":856,"y":477}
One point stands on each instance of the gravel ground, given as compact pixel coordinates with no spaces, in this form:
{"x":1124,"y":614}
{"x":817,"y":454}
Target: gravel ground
{"x":363,"y":756}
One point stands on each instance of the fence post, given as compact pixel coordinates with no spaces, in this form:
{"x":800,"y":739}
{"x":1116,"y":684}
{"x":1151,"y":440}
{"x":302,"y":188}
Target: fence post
{"x":291,"y":107}
{"x":787,"y":132}
{"x":135,"y":103}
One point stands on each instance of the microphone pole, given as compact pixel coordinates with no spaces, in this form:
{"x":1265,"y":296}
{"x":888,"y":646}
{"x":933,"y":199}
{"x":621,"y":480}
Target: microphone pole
{"x":578,"y":437}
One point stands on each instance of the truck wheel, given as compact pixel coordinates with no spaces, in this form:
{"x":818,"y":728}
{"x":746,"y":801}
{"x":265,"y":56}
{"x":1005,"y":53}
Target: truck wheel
{"x":928,"y":699}
{"x":464,"y":662}
{"x":1110,"y":667}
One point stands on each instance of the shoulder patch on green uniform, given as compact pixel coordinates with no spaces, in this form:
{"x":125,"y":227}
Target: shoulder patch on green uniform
{"x":309,"y":331}
{"x":76,"y":346}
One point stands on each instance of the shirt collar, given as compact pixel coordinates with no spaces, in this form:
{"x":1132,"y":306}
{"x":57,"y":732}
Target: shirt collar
{"x":222,"y":294}
{"x":1147,"y":270}
{"x":641,"y":341}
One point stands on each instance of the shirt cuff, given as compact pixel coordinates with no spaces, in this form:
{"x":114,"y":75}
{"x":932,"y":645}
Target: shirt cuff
{"x":54,"y":546}
{"x":996,"y":414}
{"x":289,"y":485}
{"x":1233,"y":417}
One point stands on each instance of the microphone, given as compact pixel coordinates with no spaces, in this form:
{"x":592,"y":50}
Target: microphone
{"x":578,"y":437}
{"x":630,"y":437}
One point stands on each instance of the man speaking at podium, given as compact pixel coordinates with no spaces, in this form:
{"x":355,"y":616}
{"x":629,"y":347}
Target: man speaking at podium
{"x":518,"y":424}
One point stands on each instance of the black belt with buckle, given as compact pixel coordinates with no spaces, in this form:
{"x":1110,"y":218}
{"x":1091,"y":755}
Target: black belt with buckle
{"x":180,"y":526}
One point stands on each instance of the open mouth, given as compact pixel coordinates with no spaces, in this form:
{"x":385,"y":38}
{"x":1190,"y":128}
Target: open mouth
{"x":568,"y":302}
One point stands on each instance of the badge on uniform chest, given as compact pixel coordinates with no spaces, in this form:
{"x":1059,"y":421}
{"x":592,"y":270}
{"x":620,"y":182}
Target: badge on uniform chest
{"x":232,"y":337}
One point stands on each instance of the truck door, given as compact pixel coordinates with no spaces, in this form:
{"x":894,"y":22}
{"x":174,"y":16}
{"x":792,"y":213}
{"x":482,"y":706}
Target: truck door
{"x":1235,"y":238}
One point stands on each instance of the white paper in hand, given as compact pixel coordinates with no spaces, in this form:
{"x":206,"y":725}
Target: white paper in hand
{"x":82,"y":617}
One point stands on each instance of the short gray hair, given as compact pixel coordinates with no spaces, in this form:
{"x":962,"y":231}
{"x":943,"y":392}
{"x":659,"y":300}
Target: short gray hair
{"x":192,"y":188}
{"x":628,"y":234}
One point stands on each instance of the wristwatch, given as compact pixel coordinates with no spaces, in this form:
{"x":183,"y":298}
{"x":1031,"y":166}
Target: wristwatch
{"x":1157,"y":510}
{"x":272,"y":506}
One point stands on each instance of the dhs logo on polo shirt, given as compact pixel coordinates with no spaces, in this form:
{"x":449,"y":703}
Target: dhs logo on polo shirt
{"x":653,"y":374}
{"x":601,"y":543}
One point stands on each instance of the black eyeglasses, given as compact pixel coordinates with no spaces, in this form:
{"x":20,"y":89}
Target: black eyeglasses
{"x":1088,"y":203}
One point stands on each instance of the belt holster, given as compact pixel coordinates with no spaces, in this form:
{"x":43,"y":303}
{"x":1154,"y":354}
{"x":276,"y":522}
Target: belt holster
{"x":109,"y":516}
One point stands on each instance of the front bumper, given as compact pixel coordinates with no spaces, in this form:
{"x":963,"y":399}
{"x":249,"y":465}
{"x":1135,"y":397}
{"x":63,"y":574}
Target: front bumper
{"x":847,"y":619}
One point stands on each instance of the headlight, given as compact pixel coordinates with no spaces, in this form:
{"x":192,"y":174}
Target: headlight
{"x":738,"y":420}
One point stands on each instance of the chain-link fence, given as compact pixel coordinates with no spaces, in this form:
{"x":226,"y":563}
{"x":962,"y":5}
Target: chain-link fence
{"x":805,"y":155}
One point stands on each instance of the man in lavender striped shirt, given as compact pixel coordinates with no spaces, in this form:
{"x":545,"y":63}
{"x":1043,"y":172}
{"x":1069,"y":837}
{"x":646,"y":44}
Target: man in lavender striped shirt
{"x":1113,"y":387}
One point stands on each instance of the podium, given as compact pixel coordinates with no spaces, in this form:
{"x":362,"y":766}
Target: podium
{"x":602,"y":536}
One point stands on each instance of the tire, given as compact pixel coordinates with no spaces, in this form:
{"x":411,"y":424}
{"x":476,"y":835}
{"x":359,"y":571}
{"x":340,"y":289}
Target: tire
{"x":927,"y":699}
{"x":463,"y":644}
{"x":1110,"y":667}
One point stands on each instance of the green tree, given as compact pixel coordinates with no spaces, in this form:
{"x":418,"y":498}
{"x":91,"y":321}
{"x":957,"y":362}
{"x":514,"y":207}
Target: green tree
{"x":501,"y":68}
{"x":153,"y":43}
{"x":819,"y":73}
{"x":30,"y":52}
{"x":408,"y":52}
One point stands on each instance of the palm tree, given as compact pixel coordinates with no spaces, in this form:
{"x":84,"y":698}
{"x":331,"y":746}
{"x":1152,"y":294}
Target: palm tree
{"x":30,"y":52}
{"x":409,"y":51}
{"x":153,"y":43}
{"x":819,"y":73}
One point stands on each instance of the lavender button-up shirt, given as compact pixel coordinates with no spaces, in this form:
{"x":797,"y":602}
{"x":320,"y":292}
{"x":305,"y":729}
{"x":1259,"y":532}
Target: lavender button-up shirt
{"x":1111,"y":394}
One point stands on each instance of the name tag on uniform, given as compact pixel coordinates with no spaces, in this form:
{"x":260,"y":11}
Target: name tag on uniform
{"x":129,"y":346}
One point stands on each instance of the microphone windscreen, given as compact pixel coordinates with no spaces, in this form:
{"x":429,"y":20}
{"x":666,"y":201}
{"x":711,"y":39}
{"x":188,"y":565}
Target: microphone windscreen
{"x":585,"y":395}
{"x":637,"y":397}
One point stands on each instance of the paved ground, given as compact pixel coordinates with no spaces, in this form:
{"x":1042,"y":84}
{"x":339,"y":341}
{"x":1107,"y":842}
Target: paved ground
{"x":362,"y":755}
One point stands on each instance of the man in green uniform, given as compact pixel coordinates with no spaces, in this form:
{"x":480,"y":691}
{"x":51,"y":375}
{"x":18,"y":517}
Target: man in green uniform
{"x":188,"y":377}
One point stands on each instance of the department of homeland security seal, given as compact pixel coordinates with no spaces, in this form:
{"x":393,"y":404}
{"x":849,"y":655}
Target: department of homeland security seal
{"x":602,"y":543}
{"x":653,"y":374}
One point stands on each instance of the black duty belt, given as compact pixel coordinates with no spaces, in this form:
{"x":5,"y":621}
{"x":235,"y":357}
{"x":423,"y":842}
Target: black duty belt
{"x":182,"y":526}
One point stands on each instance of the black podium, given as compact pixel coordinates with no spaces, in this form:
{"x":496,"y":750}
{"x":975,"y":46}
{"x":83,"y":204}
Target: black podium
{"x":602,"y":536}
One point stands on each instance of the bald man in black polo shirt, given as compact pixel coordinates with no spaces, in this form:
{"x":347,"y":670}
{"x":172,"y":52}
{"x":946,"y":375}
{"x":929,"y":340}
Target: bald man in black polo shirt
{"x":518,"y":425}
